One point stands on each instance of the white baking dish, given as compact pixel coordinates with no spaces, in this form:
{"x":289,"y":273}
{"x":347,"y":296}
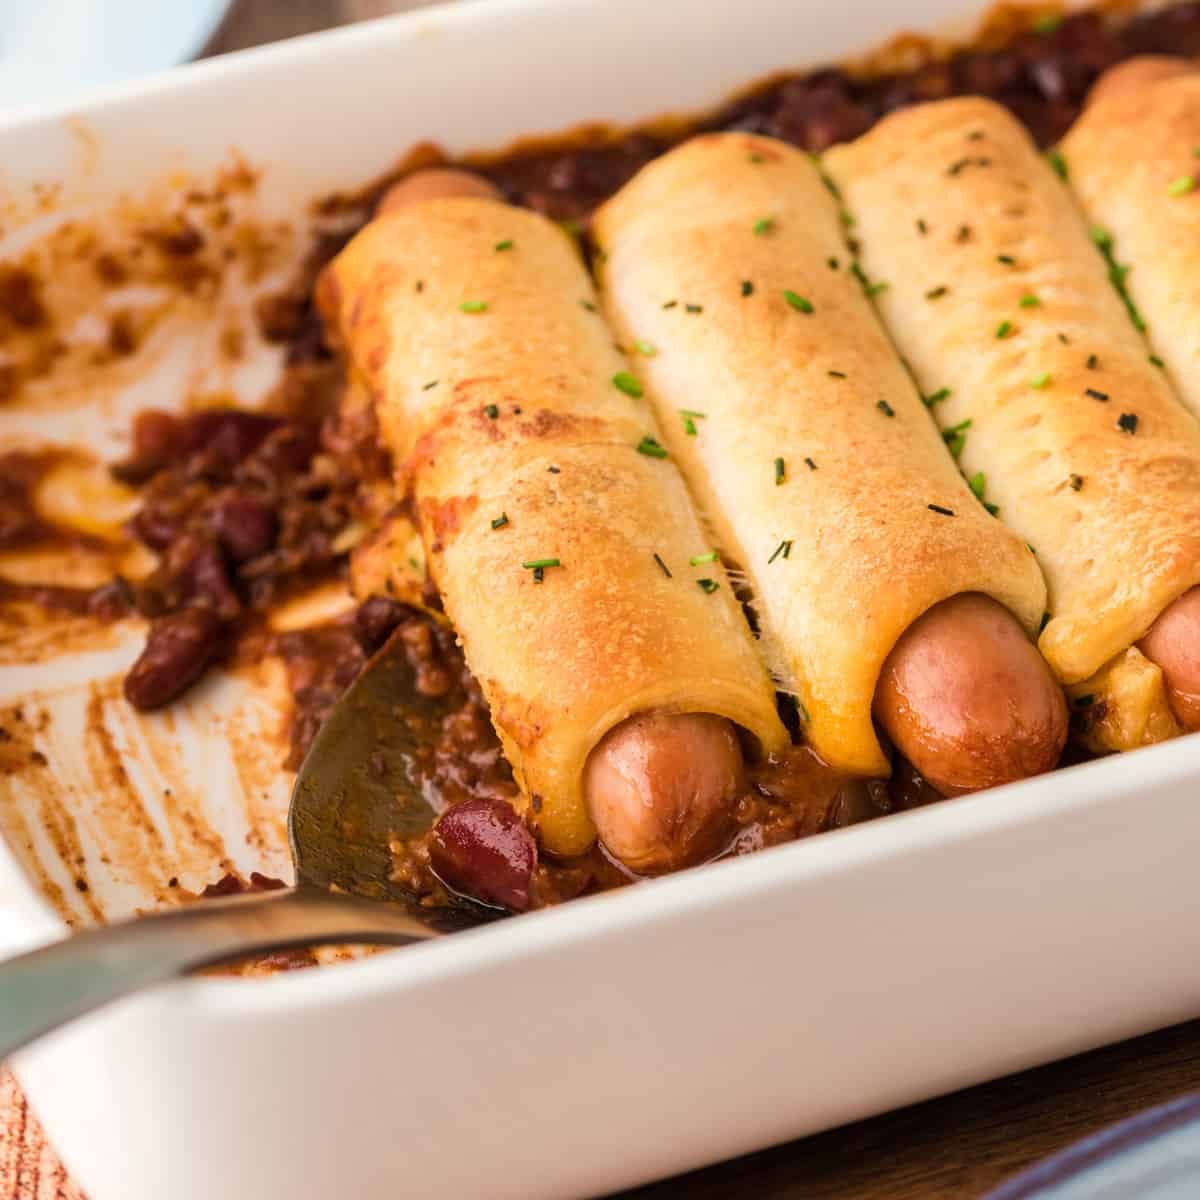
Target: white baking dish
{"x":636,"y":1034}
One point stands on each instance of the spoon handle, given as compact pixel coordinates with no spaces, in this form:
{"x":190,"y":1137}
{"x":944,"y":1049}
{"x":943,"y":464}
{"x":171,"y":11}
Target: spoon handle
{"x":48,"y":987}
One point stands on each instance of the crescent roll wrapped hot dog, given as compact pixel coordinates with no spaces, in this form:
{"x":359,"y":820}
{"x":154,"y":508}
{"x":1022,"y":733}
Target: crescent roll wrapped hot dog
{"x":820,"y":471}
{"x":997,"y":295}
{"x":1132,"y":164}
{"x":558,"y":533}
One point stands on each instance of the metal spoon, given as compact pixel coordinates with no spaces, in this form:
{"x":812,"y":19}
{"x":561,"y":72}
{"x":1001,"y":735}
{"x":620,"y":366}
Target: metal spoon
{"x":355,"y":790}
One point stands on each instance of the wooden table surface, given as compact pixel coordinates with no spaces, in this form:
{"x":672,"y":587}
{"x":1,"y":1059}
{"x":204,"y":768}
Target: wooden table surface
{"x":958,"y":1146}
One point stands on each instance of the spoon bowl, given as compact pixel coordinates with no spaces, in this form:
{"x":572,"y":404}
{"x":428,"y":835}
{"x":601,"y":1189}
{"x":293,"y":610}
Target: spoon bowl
{"x":357,"y":789}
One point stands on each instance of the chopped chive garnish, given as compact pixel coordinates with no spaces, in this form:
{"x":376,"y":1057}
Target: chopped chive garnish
{"x":708,"y":586}
{"x":646,"y":349}
{"x":1127,"y":422}
{"x":758,"y":158}
{"x":936,"y":293}
{"x":670,"y":304}
{"x":1048,"y":23}
{"x":697,"y":559}
{"x":693,"y":308}
{"x":1006,"y":259}
{"x":781,"y":551}
{"x":834,"y":264}
{"x":491,"y":410}
{"x":885,"y":408}
{"x":1044,"y":621}
{"x":764,"y":225}
{"x":1182,"y":185}
{"x":1040,"y":380}
{"x":1004,"y":329}
{"x":419,"y":286}
{"x":780,"y":471}
{"x":830,"y":186}
{"x":937,"y":508}
{"x":690,"y":417}
{"x":534,"y":564}
{"x":1196,"y":151}
{"x":963,"y":163}
{"x":1056,"y":160}
{"x":587,"y":304}
{"x":808,"y":462}
{"x":689,"y":427}
{"x":1095,"y":394}
{"x":1116,"y":274}
{"x":1030,"y":548}
{"x":473,"y":306}
{"x":623,"y":381}
{"x":978,"y":484}
{"x":922,"y":228}
{"x":1029,"y":300}
{"x":963,"y":234}
{"x":662,"y":566}
{"x":956,"y":437}
{"x":1076,"y":482}
{"x":500,"y":521}
{"x":691,"y":412}
{"x":937,"y":397}
{"x":427,"y":386}
{"x":836,"y":374}
{"x":1084,"y":701}
{"x":846,"y":217}
{"x":1093,"y":361}
{"x":1158,"y":362}
{"x":875,"y":288}
{"x":1062,"y":337}
{"x":747,"y":288}
{"x":798,"y":302}
{"x":651,"y":448}
{"x":553,"y":469}
{"x":507,"y":244}
{"x":992,"y":509}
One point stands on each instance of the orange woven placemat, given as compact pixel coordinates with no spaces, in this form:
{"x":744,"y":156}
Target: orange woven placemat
{"x":29,"y":1169}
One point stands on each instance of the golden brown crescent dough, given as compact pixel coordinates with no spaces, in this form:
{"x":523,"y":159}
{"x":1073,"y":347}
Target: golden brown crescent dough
{"x":500,"y":393}
{"x":795,"y":424}
{"x":996,"y":292}
{"x":1131,"y":161}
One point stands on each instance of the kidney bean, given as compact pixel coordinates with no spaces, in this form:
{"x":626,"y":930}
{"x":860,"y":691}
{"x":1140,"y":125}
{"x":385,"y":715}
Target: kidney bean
{"x":374,"y":621}
{"x":207,"y":580}
{"x":227,"y":434}
{"x":194,"y":571}
{"x":481,"y":849}
{"x":178,"y":650}
{"x":158,"y":439}
{"x":244,"y":525}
